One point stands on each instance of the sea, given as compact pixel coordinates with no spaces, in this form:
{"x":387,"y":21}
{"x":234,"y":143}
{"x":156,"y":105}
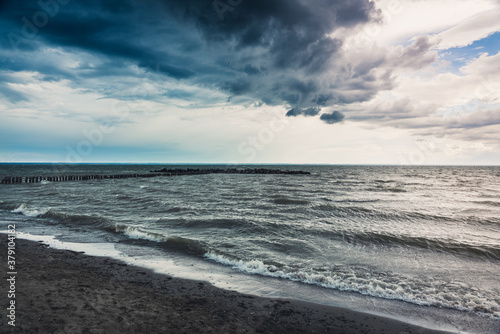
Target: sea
{"x":416,"y":243}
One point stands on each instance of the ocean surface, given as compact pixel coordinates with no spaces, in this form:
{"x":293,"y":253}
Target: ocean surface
{"x":427,"y":238}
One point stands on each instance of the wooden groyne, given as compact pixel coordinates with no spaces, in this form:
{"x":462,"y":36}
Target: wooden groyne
{"x":62,"y":178}
{"x":190,"y":171}
{"x":155,"y":173}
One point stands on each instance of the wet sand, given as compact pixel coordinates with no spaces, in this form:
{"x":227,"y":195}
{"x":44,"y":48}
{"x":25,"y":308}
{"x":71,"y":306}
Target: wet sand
{"x":59,"y":291}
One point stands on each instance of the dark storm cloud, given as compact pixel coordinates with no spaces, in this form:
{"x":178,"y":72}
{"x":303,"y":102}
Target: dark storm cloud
{"x":122,"y":30}
{"x":333,"y":117}
{"x":296,"y":111}
{"x":237,"y":87}
{"x":277,"y":52}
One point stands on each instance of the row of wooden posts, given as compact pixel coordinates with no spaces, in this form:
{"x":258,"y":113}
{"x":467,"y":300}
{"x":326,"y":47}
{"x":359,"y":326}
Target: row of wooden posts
{"x":162,"y":172}
{"x":36,"y":179}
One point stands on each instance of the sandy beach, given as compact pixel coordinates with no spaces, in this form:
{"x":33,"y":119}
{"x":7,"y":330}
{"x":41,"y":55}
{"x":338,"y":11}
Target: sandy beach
{"x":60,"y":291}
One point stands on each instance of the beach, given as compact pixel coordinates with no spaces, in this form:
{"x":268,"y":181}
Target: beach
{"x":60,"y":291}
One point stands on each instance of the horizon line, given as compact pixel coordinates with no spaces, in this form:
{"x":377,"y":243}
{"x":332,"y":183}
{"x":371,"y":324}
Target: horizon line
{"x":242,"y":163}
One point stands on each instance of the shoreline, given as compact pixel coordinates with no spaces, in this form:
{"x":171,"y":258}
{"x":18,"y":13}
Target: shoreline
{"x":60,"y":291}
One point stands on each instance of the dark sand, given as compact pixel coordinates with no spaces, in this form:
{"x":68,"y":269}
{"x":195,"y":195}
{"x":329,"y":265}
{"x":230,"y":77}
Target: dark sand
{"x":66,"y":292}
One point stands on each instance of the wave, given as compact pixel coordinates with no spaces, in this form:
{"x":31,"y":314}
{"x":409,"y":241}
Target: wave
{"x":389,"y":239}
{"x":124,"y":197}
{"x":63,"y":218}
{"x":385,"y":181}
{"x":207,"y":223}
{"x":72,"y":220}
{"x":9,"y":206}
{"x":176,"y":209}
{"x":357,"y":201}
{"x":381,"y":285}
{"x":136,"y":233}
{"x":488,"y":203}
{"x":30,"y":211}
{"x":286,"y":201}
{"x":389,"y":189}
{"x":369,"y":211}
{"x":352,"y":211}
{"x":396,"y":190}
{"x":451,"y":246}
{"x":174,"y":243}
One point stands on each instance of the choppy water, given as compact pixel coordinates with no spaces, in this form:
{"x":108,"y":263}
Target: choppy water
{"x":424,"y":235}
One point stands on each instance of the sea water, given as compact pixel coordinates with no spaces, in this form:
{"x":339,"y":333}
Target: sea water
{"x":397,"y":240}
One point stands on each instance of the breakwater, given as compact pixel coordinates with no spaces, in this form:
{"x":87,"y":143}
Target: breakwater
{"x":155,"y":173}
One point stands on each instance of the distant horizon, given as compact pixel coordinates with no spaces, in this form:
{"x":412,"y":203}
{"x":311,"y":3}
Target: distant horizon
{"x":235,"y":164}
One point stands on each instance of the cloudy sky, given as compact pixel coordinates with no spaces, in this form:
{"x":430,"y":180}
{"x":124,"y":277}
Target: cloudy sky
{"x":250,"y":81}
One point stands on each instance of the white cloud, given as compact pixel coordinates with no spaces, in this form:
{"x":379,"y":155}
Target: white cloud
{"x":409,"y":18}
{"x":478,"y":80}
{"x":464,"y":107}
{"x":472,"y":29}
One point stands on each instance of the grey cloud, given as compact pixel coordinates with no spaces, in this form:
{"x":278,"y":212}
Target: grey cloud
{"x":392,"y":111}
{"x":476,"y":120}
{"x":237,"y":87}
{"x":253,"y":70}
{"x":12,"y":95}
{"x":296,"y":111}
{"x":424,"y":119}
{"x":321,"y":99}
{"x":333,"y":117}
{"x":416,"y":55}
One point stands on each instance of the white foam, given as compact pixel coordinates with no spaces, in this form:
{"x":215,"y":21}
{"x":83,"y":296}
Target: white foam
{"x":93,"y":249}
{"x":30,"y":212}
{"x":415,"y":292}
{"x":136,"y":233}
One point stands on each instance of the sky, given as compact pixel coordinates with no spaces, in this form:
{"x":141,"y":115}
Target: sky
{"x":413,"y":82}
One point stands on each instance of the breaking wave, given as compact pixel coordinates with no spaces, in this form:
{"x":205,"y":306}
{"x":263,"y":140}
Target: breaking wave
{"x":30,"y":211}
{"x":451,"y":295}
{"x":174,"y":243}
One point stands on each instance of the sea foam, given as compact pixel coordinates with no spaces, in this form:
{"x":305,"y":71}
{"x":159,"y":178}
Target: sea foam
{"x":30,"y":211}
{"x":415,"y":291}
